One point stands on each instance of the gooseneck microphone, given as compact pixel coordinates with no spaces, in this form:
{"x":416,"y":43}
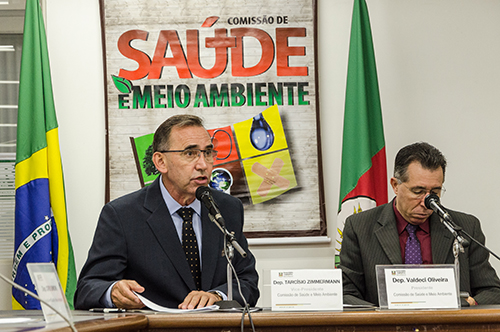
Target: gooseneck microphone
{"x":205,"y":195}
{"x":432,"y":202}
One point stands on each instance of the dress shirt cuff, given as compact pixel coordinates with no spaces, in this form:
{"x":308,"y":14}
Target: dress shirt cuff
{"x":221,"y":294}
{"x":105,"y":299}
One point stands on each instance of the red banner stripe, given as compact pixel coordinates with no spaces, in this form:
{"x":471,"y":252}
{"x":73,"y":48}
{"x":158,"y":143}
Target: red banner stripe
{"x":373,"y":183}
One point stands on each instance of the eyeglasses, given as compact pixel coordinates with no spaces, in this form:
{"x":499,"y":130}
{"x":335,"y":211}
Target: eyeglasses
{"x":191,"y":155}
{"x":419,"y":192}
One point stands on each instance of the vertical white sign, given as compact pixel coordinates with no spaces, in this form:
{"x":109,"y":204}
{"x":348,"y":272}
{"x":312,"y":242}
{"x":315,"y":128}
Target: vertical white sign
{"x":48,"y":288}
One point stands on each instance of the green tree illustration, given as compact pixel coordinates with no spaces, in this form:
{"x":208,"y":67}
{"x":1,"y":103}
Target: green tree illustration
{"x":147,"y":162}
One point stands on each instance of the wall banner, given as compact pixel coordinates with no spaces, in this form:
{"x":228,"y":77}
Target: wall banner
{"x":248,"y":68}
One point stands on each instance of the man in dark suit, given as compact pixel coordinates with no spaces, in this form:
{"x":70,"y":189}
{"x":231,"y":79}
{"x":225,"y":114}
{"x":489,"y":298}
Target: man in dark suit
{"x":138,"y":244}
{"x":379,"y":236}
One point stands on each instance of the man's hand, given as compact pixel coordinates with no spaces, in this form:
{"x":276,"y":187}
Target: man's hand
{"x":471,"y":301}
{"x":199,"y":299}
{"x":123,"y":297}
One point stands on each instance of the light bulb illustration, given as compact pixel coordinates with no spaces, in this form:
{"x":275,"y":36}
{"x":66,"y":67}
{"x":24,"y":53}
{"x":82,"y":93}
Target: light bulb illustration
{"x":261,"y":134}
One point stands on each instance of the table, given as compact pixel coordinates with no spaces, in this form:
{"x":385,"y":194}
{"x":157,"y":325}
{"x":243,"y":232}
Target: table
{"x":84,"y":321}
{"x":468,"y":319}
{"x":477,"y":319}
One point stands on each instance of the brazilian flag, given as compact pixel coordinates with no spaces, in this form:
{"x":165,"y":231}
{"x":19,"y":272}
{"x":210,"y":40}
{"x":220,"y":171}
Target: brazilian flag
{"x":41,"y":226}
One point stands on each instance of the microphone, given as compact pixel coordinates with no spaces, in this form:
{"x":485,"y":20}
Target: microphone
{"x":432,"y":202}
{"x":204,"y":195}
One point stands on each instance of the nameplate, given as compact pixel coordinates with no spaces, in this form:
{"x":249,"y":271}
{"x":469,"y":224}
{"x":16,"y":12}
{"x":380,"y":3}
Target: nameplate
{"x":48,"y":288}
{"x":303,"y":290}
{"x":417,"y":287}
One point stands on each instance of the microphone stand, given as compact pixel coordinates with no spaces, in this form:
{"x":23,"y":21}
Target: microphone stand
{"x":456,"y":230}
{"x":230,"y":244}
{"x":477,"y":242}
{"x":432,"y":202}
{"x":458,"y":247}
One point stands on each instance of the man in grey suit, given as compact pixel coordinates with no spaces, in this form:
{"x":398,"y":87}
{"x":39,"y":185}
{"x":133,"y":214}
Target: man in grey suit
{"x":379,"y":236}
{"x":139,"y":241}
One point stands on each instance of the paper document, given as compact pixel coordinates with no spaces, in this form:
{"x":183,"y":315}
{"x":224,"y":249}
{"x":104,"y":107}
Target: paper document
{"x":156,"y":307}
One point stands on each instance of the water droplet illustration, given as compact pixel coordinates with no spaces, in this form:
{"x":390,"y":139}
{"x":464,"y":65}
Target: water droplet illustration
{"x":261,"y":134}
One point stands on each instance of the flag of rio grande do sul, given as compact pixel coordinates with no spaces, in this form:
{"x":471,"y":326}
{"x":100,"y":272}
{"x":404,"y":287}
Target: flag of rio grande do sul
{"x":370,"y":191}
{"x":363,"y":183}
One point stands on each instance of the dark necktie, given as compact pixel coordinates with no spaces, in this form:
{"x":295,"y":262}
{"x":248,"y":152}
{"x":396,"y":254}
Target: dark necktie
{"x":413,"y":254}
{"x":190,"y":245}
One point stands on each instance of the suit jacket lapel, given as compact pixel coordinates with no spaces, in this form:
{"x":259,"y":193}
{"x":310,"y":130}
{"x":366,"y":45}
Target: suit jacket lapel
{"x":164,"y":230}
{"x":387,"y":235}
{"x":212,"y":240}
{"x":441,"y":240}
